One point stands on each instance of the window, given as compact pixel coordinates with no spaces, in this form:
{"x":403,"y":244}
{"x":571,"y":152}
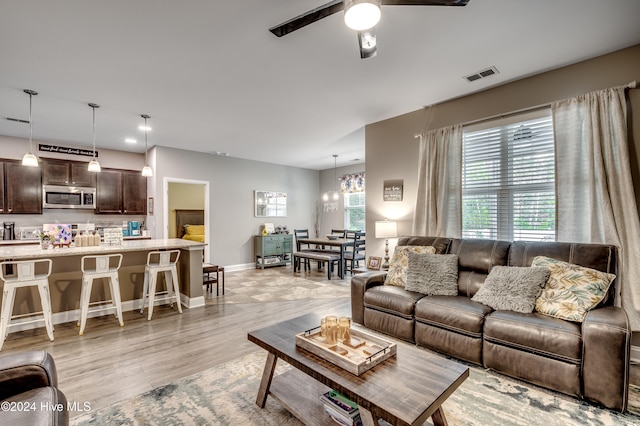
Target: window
{"x":354,"y":219}
{"x":508,"y":179}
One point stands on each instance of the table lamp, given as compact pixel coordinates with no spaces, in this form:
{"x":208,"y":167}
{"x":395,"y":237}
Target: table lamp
{"x":386,"y":229}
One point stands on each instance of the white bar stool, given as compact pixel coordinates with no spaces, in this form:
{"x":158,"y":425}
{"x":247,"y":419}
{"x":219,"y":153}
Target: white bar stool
{"x":161,"y":261}
{"x":24,"y":275}
{"x":102,"y":268}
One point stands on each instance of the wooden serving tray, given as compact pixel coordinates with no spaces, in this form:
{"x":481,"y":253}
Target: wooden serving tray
{"x":366,"y":352}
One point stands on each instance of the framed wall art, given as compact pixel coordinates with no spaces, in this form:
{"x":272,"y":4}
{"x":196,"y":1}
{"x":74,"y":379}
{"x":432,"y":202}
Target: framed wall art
{"x":392,"y":190}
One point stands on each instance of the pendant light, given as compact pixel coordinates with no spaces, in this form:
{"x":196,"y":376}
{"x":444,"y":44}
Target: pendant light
{"x":94,"y":165}
{"x":336,"y":196}
{"x":146,"y":170}
{"x":29,"y":159}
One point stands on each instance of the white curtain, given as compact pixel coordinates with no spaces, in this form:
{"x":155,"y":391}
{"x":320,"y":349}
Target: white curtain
{"x":438,"y":210}
{"x":595,"y":196}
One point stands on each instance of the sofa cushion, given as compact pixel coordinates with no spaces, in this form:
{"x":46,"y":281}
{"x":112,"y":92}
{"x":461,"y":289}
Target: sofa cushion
{"x":512,"y":288}
{"x":475,"y":259}
{"x":602,"y":257}
{"x":397,"y":274}
{"x":441,"y":244}
{"x":455,"y":313}
{"x":392,"y":299}
{"x":433,"y":274}
{"x":535,"y":333}
{"x":571,"y":290}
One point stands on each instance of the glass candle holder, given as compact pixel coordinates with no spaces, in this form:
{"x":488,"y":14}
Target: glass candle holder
{"x":332,"y":329}
{"x":344,"y":329}
{"x":323,"y":327}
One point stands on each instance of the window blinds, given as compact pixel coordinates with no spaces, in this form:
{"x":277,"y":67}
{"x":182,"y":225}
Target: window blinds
{"x":508,"y":179}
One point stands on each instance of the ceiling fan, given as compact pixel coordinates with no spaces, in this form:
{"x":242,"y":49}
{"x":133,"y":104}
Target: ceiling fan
{"x":360,"y":15}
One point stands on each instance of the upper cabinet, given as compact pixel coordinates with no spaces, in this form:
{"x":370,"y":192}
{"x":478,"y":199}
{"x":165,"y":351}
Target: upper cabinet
{"x":23,"y":188}
{"x":121,"y":192}
{"x":67,"y":173}
{"x":134,"y":193}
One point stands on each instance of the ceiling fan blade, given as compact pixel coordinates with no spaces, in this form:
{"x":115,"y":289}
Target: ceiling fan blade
{"x":367,"y":43}
{"x":308,"y":18}
{"x":425,"y":2}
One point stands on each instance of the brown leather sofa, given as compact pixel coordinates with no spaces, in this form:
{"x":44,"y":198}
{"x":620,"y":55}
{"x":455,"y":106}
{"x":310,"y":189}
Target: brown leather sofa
{"x":29,"y":391}
{"x":589,"y":360}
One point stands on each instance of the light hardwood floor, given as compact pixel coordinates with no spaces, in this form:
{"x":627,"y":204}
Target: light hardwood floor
{"x":109,"y":363}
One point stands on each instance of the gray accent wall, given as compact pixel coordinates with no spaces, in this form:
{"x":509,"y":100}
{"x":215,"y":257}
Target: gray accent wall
{"x":392,"y":151}
{"x":232,"y":183}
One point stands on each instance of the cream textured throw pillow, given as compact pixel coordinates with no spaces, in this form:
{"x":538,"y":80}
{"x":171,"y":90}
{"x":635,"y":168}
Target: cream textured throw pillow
{"x":397,"y":274}
{"x":571,"y":290}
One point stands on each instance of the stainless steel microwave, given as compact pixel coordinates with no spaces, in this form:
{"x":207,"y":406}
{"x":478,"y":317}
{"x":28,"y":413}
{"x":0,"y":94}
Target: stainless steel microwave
{"x":68,"y":197}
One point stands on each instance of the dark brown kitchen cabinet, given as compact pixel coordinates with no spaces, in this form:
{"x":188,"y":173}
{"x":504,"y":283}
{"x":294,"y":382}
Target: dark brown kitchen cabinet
{"x":134,"y":193}
{"x":67,"y":173}
{"x":109,"y":192}
{"x":23,"y":188}
{"x":121,"y":192}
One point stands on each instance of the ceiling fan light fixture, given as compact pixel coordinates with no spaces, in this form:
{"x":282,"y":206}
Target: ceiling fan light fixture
{"x":367,"y":43}
{"x":361,"y":15}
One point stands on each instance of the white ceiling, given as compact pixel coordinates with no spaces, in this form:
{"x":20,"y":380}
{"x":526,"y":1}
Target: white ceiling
{"x":213,"y":78}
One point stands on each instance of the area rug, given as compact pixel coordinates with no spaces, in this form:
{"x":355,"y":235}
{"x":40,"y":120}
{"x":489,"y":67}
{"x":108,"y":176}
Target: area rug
{"x":225,"y":395}
{"x":277,"y":285}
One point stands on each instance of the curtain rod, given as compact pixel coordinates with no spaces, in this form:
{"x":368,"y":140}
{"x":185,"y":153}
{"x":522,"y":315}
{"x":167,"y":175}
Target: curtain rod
{"x":631,"y":85}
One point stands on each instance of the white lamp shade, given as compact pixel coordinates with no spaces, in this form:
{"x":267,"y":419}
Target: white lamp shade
{"x":30,"y":160}
{"x":147,"y":171}
{"x":386,"y":229}
{"x":361,"y":15}
{"x":94,"y":166}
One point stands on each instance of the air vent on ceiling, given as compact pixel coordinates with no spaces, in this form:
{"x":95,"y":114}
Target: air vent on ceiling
{"x":18,"y":120}
{"x":482,"y":74}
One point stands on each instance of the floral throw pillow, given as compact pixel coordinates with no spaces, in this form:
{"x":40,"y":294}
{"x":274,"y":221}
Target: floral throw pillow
{"x":397,"y":274}
{"x":571,"y":290}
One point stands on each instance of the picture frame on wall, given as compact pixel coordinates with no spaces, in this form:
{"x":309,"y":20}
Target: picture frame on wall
{"x":374,"y":262}
{"x":392,"y":190}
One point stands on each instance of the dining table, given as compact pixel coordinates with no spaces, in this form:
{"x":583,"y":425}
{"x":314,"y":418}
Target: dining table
{"x":322,"y":243}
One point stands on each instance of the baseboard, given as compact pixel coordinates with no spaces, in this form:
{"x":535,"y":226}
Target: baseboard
{"x":635,"y":354}
{"x":239,"y":267}
{"x":73,"y":315}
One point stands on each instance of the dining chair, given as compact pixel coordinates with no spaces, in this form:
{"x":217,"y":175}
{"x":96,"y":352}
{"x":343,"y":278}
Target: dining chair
{"x":302,"y":233}
{"x":355,"y":250}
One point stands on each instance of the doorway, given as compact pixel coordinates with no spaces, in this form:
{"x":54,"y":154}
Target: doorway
{"x":186,"y":194}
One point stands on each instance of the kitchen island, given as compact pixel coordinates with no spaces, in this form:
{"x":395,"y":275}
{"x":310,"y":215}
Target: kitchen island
{"x":66,"y":276}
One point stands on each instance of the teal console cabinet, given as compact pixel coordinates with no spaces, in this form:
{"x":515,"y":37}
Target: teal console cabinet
{"x":273,"y":250}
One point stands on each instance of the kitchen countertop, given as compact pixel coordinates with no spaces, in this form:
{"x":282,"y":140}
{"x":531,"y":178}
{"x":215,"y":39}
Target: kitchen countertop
{"x":33,"y":251}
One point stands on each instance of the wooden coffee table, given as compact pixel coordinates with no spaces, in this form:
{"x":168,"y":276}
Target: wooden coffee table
{"x":405,"y":390}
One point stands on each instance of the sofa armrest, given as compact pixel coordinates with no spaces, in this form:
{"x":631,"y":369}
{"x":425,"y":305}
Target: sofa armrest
{"x":606,"y":338}
{"x":24,"y":371}
{"x":359,"y":284}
